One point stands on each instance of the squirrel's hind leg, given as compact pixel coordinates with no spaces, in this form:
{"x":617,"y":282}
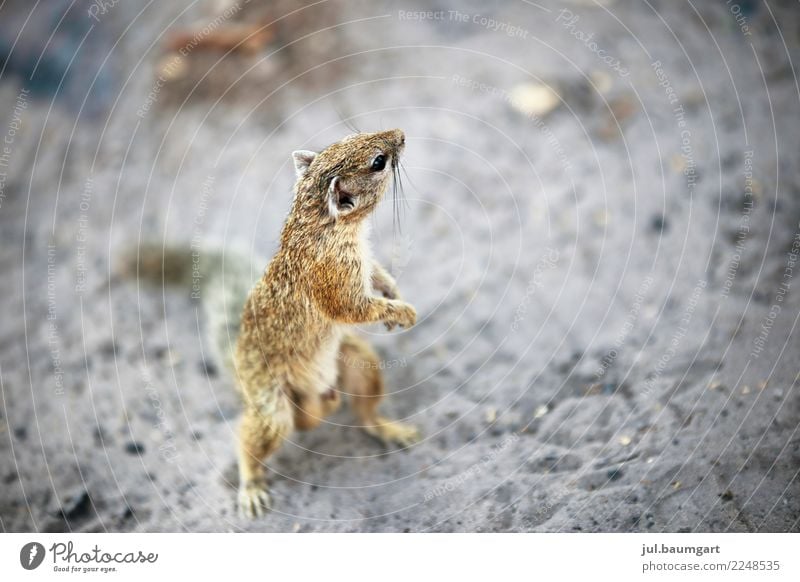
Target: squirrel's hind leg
{"x":360,"y":377}
{"x":311,"y":408}
{"x":260,"y":434}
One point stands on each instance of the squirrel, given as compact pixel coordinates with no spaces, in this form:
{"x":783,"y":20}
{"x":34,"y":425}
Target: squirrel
{"x":287,"y":337}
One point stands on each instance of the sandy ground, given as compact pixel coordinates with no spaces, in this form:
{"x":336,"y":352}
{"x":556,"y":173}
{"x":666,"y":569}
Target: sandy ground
{"x":608,"y":310}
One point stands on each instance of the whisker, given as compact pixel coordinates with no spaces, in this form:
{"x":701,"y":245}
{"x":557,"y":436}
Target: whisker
{"x":402,"y":186}
{"x":397,"y":186}
{"x":394,"y":199}
{"x":410,"y":181}
{"x":350,"y":125}
{"x":347,"y":121}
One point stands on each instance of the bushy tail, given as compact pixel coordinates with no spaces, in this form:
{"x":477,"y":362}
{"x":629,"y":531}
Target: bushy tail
{"x":220,"y":280}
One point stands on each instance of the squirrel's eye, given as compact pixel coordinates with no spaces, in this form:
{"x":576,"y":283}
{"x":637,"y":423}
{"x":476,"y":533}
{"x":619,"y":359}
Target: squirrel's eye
{"x":379,"y":163}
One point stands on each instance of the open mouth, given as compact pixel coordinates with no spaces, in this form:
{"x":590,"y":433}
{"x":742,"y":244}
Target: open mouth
{"x":346,"y":200}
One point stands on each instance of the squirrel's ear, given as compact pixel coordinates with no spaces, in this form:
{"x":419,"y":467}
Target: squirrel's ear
{"x":302,"y":160}
{"x":339,"y":201}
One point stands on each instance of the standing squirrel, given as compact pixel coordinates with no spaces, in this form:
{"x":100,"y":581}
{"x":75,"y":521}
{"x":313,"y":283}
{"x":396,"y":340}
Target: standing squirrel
{"x":289,"y":343}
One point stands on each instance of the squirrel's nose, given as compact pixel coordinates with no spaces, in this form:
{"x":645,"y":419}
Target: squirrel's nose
{"x":398,"y":137}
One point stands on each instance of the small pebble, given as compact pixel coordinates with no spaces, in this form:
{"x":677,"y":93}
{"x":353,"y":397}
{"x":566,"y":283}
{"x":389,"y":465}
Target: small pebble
{"x":602,"y":81}
{"x":625,"y":440}
{"x":540,"y":411}
{"x":109,"y":349}
{"x":614,"y":474}
{"x":209,"y":369}
{"x":134,"y":448}
{"x":677,"y":163}
{"x":609,"y":389}
{"x":600,"y":218}
{"x":172,"y":66}
{"x":622,"y":108}
{"x":491,"y":415}
{"x":593,"y":389}
{"x":168,"y":356}
{"x":659,"y":223}
{"x":126,"y":513}
{"x":76,"y":506}
{"x":534,"y":99}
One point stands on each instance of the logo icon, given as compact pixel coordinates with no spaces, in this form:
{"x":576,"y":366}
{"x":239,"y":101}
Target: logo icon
{"x":31,"y":555}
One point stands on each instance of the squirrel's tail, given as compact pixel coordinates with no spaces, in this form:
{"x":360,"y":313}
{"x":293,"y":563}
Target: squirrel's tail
{"x":220,"y":280}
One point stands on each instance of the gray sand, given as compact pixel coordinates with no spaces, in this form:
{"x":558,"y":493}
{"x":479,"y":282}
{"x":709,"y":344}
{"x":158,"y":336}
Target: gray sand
{"x":607,"y":336}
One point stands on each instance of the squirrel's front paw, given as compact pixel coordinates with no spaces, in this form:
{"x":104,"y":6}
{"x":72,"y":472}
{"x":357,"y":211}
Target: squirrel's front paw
{"x":391,"y":292}
{"x":387,"y":290}
{"x":403,"y":315}
{"x":254,"y":500}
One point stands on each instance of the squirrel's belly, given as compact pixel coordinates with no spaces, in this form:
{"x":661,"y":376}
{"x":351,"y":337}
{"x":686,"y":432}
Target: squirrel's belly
{"x":366,"y":258}
{"x":320,"y":371}
{"x":328,"y":360}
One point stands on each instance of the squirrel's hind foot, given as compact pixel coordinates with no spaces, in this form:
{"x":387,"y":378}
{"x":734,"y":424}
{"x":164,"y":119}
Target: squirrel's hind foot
{"x":390,"y":432}
{"x":254,"y":500}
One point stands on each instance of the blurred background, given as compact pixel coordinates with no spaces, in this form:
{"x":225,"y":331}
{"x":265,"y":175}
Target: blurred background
{"x":600,"y":235}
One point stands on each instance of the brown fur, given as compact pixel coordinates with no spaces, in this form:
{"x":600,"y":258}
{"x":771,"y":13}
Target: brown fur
{"x":295,"y":356}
